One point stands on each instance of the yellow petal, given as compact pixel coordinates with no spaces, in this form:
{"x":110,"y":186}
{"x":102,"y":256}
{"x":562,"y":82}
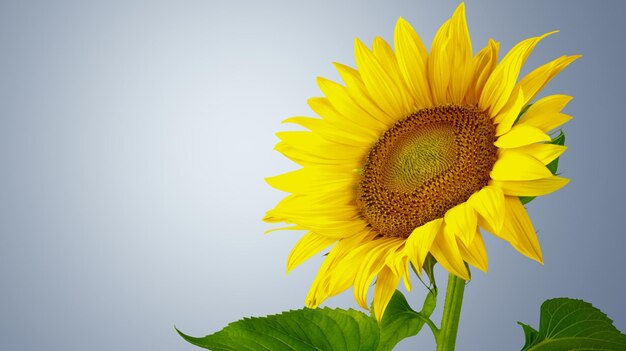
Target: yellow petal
{"x":291,"y":227}
{"x":309,"y":245}
{"x":521,"y":135}
{"x":517,"y":225}
{"x":373,"y":261}
{"x":419,"y":242}
{"x":358,"y":92}
{"x":489,"y":203}
{"x":387,"y":59}
{"x":483,"y":64}
{"x":323,"y":108}
{"x":508,"y":115}
{"x":335,"y":229}
{"x":513,"y":165}
{"x":319,"y":290}
{"x":460,"y":55}
{"x":386,"y":285}
{"x":548,"y":122}
{"x":345,"y":268}
{"x":548,"y":104}
{"x":305,"y":159}
{"x":461,"y":221}
{"x":538,"y":187}
{"x":332,"y":215}
{"x":438,"y":66}
{"x":312,"y":180}
{"x":446,"y":252}
{"x":313,"y":144}
{"x":537,"y":79}
{"x":476,"y":253}
{"x":502,"y":81}
{"x":545,"y":153}
{"x":337,"y":225}
{"x":380,"y":85}
{"x":398,"y":263}
{"x":412,"y":58}
{"x":404,"y":272}
{"x":320,"y":218}
{"x":545,"y":113}
{"x":312,"y":203}
{"x":340,"y":99}
{"x":329,"y":132}
{"x":534,"y":81}
{"x":337,"y":272}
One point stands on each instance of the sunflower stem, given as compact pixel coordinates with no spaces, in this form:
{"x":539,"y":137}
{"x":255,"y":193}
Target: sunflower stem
{"x":446,"y":338}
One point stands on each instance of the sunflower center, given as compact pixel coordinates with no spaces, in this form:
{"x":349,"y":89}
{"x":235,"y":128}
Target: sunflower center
{"x":423,"y":166}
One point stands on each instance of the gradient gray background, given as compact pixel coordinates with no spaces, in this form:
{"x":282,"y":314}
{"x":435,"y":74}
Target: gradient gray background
{"x":135,"y":136}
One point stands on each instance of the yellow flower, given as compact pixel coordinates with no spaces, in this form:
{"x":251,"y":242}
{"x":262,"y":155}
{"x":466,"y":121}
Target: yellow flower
{"x":413,"y":155}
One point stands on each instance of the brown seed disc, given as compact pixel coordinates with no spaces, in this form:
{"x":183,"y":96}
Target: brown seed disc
{"x":424,"y":165}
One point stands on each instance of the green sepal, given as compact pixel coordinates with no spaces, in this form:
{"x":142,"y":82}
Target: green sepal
{"x":521,"y":113}
{"x":299,"y":330}
{"x":429,"y":268}
{"x":530,"y":334}
{"x":552,"y":166}
{"x":400,"y":321}
{"x":569,"y":324}
{"x":559,"y":140}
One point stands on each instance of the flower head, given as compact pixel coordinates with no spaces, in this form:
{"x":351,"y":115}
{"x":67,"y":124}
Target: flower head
{"x":413,"y":155}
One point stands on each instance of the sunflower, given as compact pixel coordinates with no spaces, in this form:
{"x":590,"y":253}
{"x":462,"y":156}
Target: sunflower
{"x":413,"y":155}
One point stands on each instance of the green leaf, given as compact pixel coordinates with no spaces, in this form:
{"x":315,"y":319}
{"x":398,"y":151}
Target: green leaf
{"x":552,"y":166}
{"x":400,"y":321}
{"x":568,"y":324}
{"x":300,"y":330}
